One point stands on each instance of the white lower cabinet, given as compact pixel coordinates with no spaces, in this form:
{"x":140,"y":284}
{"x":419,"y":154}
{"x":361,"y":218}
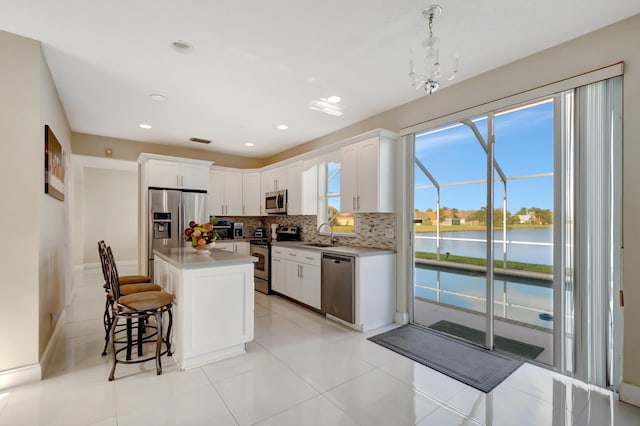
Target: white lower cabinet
{"x":278,"y":275}
{"x":296,"y":274}
{"x":233,"y":247}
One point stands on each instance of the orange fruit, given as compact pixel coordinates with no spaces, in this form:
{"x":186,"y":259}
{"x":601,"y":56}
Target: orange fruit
{"x":208,"y":227}
{"x":202,"y":242}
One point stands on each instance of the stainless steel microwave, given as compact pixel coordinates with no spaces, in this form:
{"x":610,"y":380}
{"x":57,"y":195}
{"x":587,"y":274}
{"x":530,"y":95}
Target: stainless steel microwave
{"x":275,"y":202}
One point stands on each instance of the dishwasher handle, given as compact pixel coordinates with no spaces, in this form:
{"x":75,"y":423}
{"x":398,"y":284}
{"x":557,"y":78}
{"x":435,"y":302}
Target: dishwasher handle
{"x":335,"y":258}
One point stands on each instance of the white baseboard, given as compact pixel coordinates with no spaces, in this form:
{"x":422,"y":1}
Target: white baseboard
{"x":20,"y":376}
{"x":34,"y":372}
{"x":47,"y":355}
{"x":401,"y":318}
{"x":629,"y":393}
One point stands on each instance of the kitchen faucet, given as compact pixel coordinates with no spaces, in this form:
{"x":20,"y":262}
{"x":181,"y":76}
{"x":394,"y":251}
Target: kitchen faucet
{"x":332,"y":239}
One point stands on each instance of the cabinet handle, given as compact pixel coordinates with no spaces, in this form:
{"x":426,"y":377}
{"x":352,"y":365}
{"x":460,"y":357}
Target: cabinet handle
{"x":310,"y":258}
{"x":358,"y":202}
{"x":293,"y":255}
{"x":354,"y":202}
{"x":243,"y":213}
{"x":301,"y":272}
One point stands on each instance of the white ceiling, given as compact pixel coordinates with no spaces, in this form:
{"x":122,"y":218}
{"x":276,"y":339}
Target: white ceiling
{"x":257,"y":64}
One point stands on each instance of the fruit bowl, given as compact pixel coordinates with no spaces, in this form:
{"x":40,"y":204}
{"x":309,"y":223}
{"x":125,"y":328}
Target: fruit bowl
{"x":202,"y":237}
{"x":205,"y":249}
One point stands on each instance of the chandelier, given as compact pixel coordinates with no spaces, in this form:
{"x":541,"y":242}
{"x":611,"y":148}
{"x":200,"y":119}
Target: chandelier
{"x":429,"y":79}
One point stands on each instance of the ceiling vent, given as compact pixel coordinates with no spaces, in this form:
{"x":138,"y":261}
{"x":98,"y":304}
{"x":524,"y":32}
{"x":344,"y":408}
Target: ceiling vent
{"x":199,"y":140}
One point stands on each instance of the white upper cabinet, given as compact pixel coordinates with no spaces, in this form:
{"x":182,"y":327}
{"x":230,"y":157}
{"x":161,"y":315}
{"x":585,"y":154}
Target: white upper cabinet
{"x":251,"y":194}
{"x":194,"y":176}
{"x":163,"y":174}
{"x":225,"y":195}
{"x":309,"y":193}
{"x":294,"y":188}
{"x":275,"y":179}
{"x":173,"y":172}
{"x":367,"y":176}
{"x":289,"y":177}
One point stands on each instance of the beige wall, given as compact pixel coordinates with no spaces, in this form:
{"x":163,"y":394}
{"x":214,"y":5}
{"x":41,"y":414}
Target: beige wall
{"x":84,"y":144}
{"x":55,"y":266}
{"x":34,"y":251}
{"x":21,"y":171}
{"x":110,"y":213}
{"x":618,"y":42}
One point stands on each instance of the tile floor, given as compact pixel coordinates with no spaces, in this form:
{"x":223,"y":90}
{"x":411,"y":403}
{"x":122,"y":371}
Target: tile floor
{"x":299,"y":370}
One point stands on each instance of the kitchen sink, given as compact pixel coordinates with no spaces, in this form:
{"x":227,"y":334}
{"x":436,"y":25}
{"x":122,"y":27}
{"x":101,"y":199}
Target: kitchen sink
{"x":317,"y":245}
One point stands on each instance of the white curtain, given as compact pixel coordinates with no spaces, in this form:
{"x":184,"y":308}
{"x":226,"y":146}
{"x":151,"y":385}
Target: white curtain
{"x":596,"y":156}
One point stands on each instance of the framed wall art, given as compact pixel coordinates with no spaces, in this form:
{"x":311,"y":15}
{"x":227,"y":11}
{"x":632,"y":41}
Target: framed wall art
{"x":54,"y":165}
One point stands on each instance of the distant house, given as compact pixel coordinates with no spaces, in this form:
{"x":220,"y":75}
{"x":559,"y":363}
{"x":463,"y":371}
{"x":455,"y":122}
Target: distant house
{"x":466,"y":217}
{"x":451,"y":220}
{"x":425,"y":216}
{"x":526,"y":218}
{"x":344,"y":219}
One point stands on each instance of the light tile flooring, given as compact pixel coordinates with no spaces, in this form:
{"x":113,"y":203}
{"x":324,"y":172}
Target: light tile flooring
{"x":299,"y":370}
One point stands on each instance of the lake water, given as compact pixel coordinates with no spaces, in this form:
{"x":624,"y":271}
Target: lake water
{"x":542,"y":254}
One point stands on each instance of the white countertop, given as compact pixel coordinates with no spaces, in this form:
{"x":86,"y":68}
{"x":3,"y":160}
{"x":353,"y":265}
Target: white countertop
{"x":187,"y":258}
{"x":346,"y":250}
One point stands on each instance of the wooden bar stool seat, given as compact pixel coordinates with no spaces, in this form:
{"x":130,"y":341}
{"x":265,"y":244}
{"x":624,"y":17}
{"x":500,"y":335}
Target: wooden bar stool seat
{"x":130,"y":284}
{"x":140,"y":306}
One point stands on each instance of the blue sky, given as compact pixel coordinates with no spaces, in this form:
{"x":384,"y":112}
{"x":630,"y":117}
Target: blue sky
{"x":524,"y":146}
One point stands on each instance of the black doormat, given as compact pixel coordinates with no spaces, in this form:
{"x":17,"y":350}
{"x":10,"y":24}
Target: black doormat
{"x":470,"y":364}
{"x":503,"y":344}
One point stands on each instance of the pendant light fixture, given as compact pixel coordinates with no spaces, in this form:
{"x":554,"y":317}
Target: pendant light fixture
{"x":429,"y":76}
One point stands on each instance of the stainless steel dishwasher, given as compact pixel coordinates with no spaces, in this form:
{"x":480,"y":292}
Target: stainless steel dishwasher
{"x":338,"y":286}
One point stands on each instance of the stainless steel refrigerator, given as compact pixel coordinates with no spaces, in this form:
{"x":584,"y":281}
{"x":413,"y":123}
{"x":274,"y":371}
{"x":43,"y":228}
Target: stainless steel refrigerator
{"x":170,"y":211}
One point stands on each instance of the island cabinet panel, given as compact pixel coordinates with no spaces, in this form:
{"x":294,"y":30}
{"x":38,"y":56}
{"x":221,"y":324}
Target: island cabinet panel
{"x":213,"y":306}
{"x":223,"y":325}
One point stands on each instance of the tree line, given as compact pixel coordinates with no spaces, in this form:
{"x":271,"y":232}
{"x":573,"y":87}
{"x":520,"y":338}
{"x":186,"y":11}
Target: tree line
{"x":537,"y":216}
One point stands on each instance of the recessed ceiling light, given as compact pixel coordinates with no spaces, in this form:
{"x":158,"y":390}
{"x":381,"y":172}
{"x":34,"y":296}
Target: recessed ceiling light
{"x":145,"y":126}
{"x":283,"y":127}
{"x":159,"y":98}
{"x":334,"y":99}
{"x":182,"y":46}
{"x":248,"y":144}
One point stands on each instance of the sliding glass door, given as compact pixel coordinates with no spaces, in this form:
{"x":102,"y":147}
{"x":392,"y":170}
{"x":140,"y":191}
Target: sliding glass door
{"x":516,"y":217}
{"x":450,"y":230}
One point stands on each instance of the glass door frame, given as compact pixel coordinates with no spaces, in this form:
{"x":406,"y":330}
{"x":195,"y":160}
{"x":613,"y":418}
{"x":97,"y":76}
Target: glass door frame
{"x":559,"y":238}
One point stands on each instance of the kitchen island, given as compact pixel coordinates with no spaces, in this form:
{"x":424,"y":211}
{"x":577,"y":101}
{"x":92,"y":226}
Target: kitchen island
{"x":213,"y":303}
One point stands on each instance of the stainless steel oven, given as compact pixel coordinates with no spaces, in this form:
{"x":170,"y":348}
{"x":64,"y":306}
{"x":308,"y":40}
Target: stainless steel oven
{"x":261,"y":268}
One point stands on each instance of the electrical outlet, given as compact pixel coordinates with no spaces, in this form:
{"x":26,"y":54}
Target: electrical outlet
{"x":388,"y":233}
{"x":371,"y":231}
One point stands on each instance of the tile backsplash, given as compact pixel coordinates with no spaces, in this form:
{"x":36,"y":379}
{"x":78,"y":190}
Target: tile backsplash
{"x":372,"y":229}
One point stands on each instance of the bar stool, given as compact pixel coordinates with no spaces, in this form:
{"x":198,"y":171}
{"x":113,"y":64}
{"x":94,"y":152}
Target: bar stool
{"x":129,"y":284}
{"x":138,"y":307}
